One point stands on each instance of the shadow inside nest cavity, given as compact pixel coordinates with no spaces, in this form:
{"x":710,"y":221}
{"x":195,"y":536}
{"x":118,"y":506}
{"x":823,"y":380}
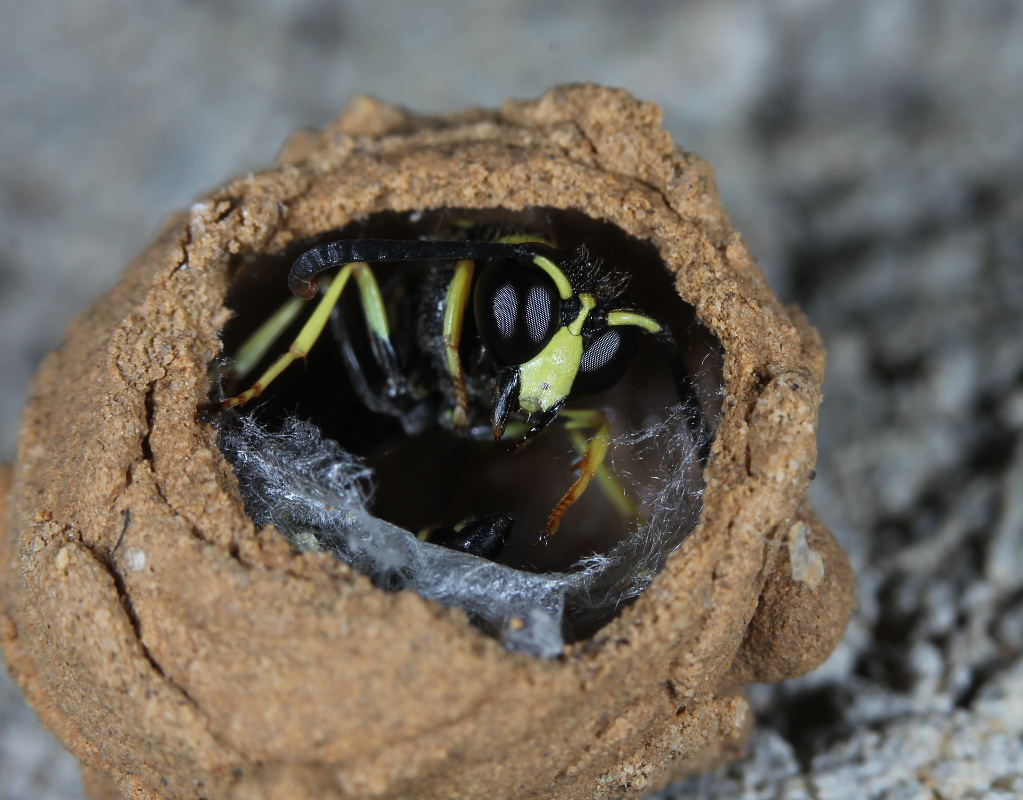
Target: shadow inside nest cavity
{"x":432,"y":477}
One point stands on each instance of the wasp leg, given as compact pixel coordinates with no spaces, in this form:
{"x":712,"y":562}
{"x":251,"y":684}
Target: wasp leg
{"x":260,"y":342}
{"x":454,"y":315}
{"x":608,"y":481}
{"x":590,"y":465}
{"x":376,"y":321}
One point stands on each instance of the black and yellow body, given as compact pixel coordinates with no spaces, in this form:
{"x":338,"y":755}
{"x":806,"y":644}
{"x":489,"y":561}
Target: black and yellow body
{"x":486,"y":338}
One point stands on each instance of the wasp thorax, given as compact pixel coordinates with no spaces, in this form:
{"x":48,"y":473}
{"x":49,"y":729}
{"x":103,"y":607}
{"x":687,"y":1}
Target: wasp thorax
{"x":516,"y":306}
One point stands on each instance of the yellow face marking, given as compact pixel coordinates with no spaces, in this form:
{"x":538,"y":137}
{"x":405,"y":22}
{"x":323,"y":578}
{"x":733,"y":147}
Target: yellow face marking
{"x":548,"y":377}
{"x":587,"y":303}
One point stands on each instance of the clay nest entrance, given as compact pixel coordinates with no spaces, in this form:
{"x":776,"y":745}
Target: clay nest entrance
{"x":332,"y":474}
{"x":143,"y":611}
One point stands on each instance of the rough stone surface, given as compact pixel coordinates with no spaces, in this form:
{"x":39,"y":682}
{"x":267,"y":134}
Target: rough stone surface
{"x":869,"y":152}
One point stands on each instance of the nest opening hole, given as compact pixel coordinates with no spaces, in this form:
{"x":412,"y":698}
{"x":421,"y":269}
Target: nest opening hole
{"x":407,"y":474}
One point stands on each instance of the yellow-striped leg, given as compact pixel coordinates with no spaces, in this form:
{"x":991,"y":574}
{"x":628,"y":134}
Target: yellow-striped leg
{"x":260,"y":342}
{"x":454,"y":315}
{"x":591,"y":463}
{"x":607,"y":481}
{"x":376,"y":321}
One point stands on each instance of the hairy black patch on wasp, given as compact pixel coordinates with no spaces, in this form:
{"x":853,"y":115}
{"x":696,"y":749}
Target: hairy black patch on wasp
{"x":456,"y":328}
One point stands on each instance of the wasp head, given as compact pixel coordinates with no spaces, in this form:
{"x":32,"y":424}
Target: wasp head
{"x":546,"y":324}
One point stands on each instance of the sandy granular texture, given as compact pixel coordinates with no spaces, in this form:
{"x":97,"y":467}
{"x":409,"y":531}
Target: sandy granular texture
{"x":175,"y":648}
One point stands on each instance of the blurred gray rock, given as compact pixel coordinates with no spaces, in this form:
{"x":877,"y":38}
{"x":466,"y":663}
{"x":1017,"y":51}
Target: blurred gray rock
{"x":870,"y":152}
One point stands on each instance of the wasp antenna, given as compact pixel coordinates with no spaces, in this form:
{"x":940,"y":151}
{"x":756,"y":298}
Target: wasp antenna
{"x":679,"y":374}
{"x":685,"y":388}
{"x":302,"y":278}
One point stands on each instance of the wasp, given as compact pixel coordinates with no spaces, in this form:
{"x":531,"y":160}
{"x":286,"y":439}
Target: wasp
{"x":488,"y":338}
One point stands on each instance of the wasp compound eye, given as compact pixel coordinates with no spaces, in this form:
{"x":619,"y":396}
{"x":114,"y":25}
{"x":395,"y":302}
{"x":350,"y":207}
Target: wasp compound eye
{"x":516,"y":307}
{"x":605,"y":360}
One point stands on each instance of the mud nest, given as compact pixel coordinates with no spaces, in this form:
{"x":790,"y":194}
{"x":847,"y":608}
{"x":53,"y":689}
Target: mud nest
{"x":180,"y":650}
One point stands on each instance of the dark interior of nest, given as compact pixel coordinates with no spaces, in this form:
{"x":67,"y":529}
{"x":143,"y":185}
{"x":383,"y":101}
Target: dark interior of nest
{"x":437,"y":477}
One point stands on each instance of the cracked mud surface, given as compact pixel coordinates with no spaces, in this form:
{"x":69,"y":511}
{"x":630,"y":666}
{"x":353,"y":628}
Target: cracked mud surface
{"x":147,"y":612}
{"x":869,"y":153}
